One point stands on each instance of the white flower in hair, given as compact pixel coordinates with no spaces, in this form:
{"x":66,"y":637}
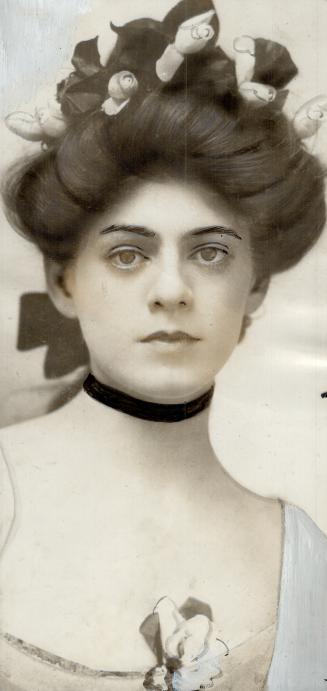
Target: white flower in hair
{"x":244,"y":46}
{"x":121,"y":87}
{"x":192,"y":36}
{"x":257,"y":93}
{"x":47,"y":121}
{"x":245,"y":56}
{"x":309,"y":118}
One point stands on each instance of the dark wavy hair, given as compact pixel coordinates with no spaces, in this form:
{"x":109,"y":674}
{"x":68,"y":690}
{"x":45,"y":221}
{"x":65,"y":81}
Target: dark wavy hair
{"x":250,"y":156}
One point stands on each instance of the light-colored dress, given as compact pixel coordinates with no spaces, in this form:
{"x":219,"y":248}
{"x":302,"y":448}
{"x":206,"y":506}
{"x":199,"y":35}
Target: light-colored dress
{"x":288,"y":656}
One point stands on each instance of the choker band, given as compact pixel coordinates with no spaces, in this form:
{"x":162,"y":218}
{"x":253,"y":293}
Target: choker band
{"x":146,"y":410}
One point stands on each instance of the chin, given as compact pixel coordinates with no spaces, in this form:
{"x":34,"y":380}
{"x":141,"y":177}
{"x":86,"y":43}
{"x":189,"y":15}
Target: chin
{"x":166,"y":385}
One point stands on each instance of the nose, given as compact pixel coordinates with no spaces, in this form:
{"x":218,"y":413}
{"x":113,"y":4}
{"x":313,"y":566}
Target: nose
{"x":170,"y":291}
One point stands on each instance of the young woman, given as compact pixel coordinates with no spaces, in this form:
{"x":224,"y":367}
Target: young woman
{"x":130,"y":557}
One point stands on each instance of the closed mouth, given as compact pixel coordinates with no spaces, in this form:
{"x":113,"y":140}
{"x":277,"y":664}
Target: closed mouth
{"x":173,"y":337}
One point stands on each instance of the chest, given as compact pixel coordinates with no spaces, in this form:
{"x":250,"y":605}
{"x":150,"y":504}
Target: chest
{"x":85,"y":569}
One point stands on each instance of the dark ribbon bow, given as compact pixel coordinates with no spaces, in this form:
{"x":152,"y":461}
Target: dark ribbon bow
{"x":40,"y":324}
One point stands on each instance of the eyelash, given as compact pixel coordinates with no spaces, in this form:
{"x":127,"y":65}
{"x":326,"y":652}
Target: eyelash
{"x":137,"y":251}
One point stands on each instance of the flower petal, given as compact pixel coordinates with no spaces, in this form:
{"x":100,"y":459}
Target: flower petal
{"x":187,"y":10}
{"x":257,"y":93}
{"x":25,"y":125}
{"x":273,"y":64}
{"x":309,"y":118}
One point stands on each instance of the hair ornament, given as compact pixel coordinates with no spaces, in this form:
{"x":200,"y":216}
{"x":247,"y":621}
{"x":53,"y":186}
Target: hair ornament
{"x":257,"y":93}
{"x":121,"y":88}
{"x":309,"y":118}
{"x":148,"y":55}
{"x":48,"y":122}
{"x":244,"y":47}
{"x":245,"y":64}
{"x":192,"y":36}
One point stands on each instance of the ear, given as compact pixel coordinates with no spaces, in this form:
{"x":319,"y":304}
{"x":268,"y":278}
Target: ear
{"x":56,"y":278}
{"x":257,"y":295}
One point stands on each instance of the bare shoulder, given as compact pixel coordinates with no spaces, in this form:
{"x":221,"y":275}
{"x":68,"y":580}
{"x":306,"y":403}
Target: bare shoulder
{"x":268,"y":521}
{"x":27,"y":441}
{"x":264,"y":516}
{"x":32,"y":456}
{"x":270,"y":512}
{"x":262,"y":528}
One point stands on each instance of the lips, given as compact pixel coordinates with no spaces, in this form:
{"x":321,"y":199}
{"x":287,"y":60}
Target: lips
{"x":170,"y":337}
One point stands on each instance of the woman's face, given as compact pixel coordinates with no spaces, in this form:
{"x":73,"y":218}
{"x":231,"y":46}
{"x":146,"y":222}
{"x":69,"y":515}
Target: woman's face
{"x":160,"y":287}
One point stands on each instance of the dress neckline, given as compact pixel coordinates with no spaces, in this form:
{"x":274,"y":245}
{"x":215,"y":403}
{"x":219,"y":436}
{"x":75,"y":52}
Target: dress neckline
{"x":59,"y":662}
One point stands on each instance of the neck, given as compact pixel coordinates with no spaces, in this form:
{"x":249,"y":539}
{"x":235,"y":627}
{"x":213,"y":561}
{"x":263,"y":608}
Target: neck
{"x":148,"y":445}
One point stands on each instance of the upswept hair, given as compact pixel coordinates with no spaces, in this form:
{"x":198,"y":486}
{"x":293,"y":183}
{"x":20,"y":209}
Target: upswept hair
{"x":249,"y":156}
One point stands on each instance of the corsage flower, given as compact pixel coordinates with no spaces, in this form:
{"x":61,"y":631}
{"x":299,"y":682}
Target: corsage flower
{"x":191,"y":651}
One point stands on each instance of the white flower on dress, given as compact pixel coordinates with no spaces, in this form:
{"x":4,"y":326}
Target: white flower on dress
{"x":190,"y":648}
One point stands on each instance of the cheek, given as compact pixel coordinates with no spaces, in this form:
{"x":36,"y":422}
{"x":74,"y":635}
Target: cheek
{"x":106,"y":311}
{"x":92,"y":301}
{"x":224,"y":309}
{"x":225,"y":299}
{"x":92,"y":293}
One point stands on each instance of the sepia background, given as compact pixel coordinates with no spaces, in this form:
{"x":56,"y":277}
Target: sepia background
{"x":269,"y":420}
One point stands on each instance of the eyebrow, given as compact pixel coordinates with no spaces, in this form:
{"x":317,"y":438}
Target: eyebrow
{"x":146,"y":232}
{"x":223,"y":230}
{"x":138,"y":230}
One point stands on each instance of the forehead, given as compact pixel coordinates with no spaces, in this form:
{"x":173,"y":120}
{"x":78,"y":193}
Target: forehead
{"x":170,"y":206}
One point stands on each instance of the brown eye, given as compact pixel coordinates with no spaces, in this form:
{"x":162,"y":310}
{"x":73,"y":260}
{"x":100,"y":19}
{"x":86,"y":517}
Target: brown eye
{"x":209,"y":254}
{"x":126,"y":258}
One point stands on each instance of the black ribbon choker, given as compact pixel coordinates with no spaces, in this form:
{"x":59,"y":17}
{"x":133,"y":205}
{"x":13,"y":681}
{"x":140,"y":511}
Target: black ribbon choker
{"x":146,"y":410}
